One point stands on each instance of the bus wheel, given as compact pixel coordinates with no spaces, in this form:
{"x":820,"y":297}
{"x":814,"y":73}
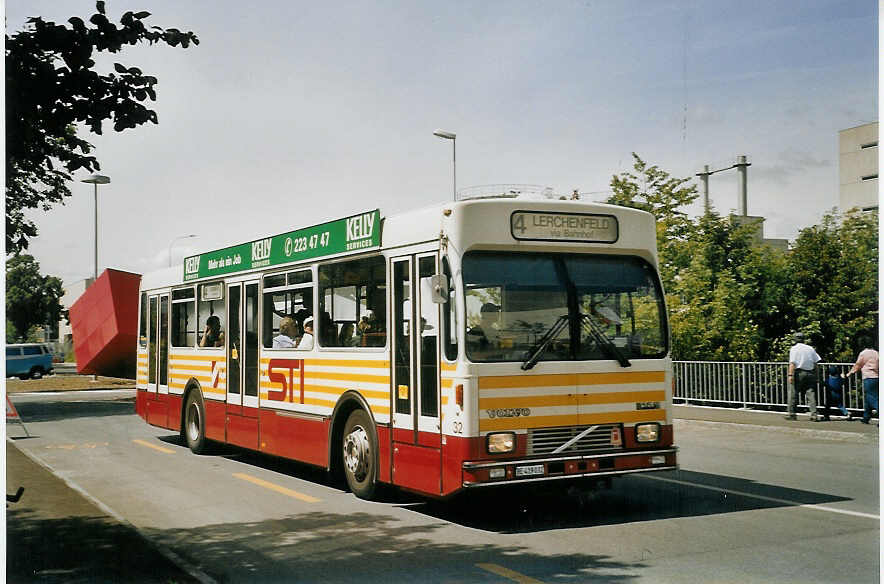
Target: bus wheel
{"x":36,"y":373}
{"x":360,"y":454}
{"x":195,"y":423}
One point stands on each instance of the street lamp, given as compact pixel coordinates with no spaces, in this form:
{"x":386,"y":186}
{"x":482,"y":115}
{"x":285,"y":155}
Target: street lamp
{"x":453,"y":137}
{"x":192,"y":235}
{"x":96,"y":179}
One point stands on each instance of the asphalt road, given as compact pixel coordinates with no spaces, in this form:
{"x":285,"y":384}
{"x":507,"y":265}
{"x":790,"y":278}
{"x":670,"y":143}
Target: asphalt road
{"x":750,"y":504}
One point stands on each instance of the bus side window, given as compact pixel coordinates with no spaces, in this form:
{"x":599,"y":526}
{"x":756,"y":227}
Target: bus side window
{"x":352,"y":309}
{"x":183,"y":318}
{"x":286,"y":296}
{"x":449,"y":317}
{"x":210,"y":302}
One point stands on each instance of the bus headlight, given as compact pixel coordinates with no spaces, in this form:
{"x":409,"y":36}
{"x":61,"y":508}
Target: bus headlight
{"x":501,"y":442}
{"x":647,"y":432}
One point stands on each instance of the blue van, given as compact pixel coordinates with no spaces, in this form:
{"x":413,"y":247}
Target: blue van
{"x":28,"y":360}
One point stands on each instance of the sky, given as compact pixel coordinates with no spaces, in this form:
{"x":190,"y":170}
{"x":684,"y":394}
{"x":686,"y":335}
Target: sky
{"x":291,"y":113}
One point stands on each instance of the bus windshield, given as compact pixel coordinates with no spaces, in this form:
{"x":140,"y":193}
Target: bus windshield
{"x":557,"y":307}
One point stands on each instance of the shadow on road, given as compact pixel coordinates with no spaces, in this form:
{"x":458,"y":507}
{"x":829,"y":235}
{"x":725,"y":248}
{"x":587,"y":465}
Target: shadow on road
{"x":632,"y":499}
{"x":367,"y":547}
{"x":50,"y":411}
{"x":527,"y":508}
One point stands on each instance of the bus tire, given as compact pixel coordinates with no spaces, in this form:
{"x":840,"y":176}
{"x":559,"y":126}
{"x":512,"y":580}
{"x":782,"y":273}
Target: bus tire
{"x":360,"y":454}
{"x":36,"y":373}
{"x":195,"y":423}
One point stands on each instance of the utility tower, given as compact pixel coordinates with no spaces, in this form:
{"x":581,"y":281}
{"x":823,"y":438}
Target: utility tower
{"x":741,"y":165}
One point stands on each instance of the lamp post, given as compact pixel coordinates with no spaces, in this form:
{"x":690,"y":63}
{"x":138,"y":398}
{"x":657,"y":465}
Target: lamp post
{"x":189,"y":236}
{"x":453,"y":137}
{"x":96,"y":179}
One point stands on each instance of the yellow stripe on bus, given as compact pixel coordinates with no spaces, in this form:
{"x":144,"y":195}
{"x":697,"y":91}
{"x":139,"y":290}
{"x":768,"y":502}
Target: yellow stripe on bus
{"x":448,"y":366}
{"x":519,"y":423}
{"x":351,"y":363}
{"x":566,"y":379}
{"x":539,"y":401}
{"x":621,"y":377}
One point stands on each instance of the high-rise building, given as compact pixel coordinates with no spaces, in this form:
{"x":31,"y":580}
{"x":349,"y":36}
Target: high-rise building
{"x":858,"y":167}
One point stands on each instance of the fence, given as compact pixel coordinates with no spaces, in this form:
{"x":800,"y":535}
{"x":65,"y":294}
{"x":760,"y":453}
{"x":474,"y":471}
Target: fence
{"x":752,"y":384}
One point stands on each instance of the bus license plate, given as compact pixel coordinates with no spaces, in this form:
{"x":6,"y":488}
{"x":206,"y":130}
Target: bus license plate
{"x":527,"y":471}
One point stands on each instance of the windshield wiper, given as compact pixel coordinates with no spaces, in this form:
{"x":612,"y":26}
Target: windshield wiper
{"x":591,"y":324}
{"x":545,"y":341}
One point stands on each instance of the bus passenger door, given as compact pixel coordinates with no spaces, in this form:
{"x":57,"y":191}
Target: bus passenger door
{"x":242,"y":364}
{"x":158,"y":360}
{"x":416,"y":431}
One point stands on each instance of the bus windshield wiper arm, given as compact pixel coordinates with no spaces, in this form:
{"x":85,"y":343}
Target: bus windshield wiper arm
{"x":545,"y":341}
{"x":590,"y":324}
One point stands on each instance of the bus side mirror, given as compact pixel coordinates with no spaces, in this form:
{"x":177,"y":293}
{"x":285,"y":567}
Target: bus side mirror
{"x":439,"y":288}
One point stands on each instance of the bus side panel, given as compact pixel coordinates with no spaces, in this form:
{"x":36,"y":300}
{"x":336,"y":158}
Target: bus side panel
{"x":174,"y":419}
{"x":216,"y":412}
{"x":141,"y":404}
{"x":417,"y":468}
{"x":385,"y":458}
{"x":243,"y":430}
{"x":157,"y":412}
{"x":292,"y":437}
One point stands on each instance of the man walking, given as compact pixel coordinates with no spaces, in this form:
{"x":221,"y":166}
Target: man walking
{"x":802,"y":376}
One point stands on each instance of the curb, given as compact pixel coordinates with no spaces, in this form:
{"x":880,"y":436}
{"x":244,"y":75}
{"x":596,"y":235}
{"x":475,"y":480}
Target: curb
{"x":834,"y":435}
{"x":186,"y":566}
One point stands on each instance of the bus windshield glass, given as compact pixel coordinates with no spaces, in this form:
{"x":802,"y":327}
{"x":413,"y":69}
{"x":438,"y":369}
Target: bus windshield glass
{"x":556,"y":307}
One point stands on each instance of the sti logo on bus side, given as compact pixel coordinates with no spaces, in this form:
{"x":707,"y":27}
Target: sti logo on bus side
{"x":360,"y":227}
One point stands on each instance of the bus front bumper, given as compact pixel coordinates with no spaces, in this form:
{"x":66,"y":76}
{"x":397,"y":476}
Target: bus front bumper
{"x":486,"y":474}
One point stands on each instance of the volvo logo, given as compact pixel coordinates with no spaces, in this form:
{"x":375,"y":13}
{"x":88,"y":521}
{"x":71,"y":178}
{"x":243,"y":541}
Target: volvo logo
{"x":508,"y":412}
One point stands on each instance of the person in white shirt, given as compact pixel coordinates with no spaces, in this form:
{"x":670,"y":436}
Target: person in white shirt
{"x":288,"y":330}
{"x":306,"y":342}
{"x":802,"y":376}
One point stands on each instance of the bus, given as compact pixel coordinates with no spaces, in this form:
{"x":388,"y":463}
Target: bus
{"x":478,"y":343}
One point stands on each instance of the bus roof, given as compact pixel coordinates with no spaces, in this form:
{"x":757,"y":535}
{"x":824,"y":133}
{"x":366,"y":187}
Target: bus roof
{"x":363,"y":232}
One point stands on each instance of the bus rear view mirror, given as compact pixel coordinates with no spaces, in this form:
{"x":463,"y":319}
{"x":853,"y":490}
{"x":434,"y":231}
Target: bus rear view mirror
{"x":439,"y":288}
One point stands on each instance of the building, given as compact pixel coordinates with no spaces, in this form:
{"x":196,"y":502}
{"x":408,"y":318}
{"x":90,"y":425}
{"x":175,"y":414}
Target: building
{"x":858,"y":167}
{"x":71,"y":293}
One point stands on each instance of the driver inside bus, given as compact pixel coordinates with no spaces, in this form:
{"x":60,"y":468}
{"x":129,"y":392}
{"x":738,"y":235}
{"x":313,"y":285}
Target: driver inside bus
{"x":485,"y":336}
{"x":213,"y":336}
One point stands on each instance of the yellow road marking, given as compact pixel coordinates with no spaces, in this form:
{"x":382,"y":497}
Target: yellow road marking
{"x":508,"y":574}
{"x":154,"y":446}
{"x":277,"y":488}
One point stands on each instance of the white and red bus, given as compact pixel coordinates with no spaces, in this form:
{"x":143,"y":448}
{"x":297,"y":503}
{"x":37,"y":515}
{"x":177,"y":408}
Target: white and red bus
{"x":476,"y":343}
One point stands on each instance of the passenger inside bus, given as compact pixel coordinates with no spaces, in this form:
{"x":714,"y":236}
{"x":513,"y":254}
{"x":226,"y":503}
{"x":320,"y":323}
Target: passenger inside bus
{"x":345,"y":339}
{"x":306,"y":342}
{"x":288,"y":331}
{"x":213,"y":336}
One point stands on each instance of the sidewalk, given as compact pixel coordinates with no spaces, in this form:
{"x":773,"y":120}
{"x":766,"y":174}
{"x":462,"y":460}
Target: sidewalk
{"x":774,"y":420}
{"x":54,"y":534}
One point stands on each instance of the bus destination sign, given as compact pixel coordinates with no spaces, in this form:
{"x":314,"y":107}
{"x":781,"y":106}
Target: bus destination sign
{"x":356,"y":233}
{"x":583,"y":227}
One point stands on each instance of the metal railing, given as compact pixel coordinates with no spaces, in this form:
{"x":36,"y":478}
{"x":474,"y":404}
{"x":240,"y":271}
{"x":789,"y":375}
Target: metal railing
{"x":753,"y":384}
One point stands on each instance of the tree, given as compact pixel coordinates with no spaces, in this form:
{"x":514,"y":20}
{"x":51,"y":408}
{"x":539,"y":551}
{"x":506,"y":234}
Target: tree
{"x":31,"y":298}
{"x":652,"y":189}
{"x":834,"y":285}
{"x":52,"y":89}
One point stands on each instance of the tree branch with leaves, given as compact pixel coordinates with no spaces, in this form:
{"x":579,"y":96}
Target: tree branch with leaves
{"x":53,"y":90}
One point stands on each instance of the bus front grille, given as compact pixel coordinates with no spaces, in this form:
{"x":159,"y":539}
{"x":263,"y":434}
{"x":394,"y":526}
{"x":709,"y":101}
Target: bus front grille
{"x":574,"y":439}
